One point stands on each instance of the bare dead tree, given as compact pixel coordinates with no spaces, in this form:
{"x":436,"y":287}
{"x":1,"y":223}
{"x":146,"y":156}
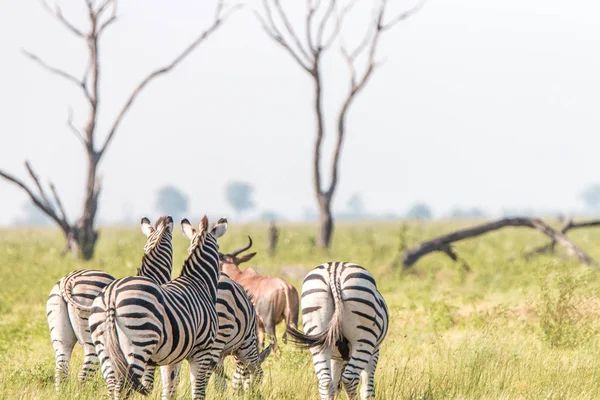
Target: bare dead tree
{"x":443,"y":243}
{"x":323,"y":24}
{"x":81,"y":234}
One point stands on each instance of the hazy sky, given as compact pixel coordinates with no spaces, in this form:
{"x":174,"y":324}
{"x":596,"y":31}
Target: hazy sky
{"x":493,"y":104}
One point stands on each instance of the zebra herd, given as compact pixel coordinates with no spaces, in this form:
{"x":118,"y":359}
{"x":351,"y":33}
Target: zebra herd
{"x":134,"y":324}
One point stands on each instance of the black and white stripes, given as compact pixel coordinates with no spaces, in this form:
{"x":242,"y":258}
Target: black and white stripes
{"x":69,"y":303}
{"x":237,"y":335}
{"x":69,"y":325}
{"x":162,"y":325}
{"x":345,"y":320}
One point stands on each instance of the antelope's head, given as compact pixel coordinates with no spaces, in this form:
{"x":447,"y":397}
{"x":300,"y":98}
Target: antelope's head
{"x":230,"y":262}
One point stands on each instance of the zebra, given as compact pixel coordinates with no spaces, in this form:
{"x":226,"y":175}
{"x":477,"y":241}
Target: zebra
{"x":146,"y":324}
{"x":69,"y":303}
{"x":237,"y":336}
{"x":345,"y":320}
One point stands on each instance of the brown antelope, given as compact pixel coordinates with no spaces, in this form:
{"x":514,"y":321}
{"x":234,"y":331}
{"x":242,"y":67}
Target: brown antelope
{"x":275,"y":299}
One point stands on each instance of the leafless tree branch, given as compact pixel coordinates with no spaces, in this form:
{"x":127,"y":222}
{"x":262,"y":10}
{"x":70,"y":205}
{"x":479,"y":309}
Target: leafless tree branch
{"x":39,"y":203}
{"x":59,"y":72}
{"x":36,"y":180}
{"x":73,"y":129}
{"x":290,"y":30}
{"x":113,"y":5}
{"x":57,"y":13}
{"x":329,"y":12}
{"x":59,"y":203}
{"x":23,"y":186}
{"x":220,"y":17}
{"x":450,"y":252}
{"x":311,"y":9}
{"x":402,"y":16}
{"x":369,"y":43}
{"x":271,"y":29}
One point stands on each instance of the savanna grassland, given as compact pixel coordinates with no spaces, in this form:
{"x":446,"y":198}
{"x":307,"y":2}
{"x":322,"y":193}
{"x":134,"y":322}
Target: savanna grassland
{"x":509,"y":329}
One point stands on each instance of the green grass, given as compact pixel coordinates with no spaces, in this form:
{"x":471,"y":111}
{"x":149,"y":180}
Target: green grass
{"x":510,"y":329}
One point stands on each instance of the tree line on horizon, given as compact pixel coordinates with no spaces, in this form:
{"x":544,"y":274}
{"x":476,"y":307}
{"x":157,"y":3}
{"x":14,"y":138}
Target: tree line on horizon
{"x":239,"y":195}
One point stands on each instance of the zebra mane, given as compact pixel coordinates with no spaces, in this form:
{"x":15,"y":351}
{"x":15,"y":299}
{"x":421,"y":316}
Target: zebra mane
{"x":197,"y":246}
{"x":161,"y":227}
{"x":162,"y":235}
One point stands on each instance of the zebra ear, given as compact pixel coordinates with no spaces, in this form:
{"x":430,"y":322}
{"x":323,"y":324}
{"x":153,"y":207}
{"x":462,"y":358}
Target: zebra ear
{"x":170,"y":223}
{"x":265,"y":353}
{"x":188,"y":229}
{"x":220,"y":228}
{"x":147,"y":228}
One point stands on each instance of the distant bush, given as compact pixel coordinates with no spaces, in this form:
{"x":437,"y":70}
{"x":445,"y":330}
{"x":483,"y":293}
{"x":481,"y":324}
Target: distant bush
{"x":562,"y":314}
{"x":442,"y":315}
{"x":420,"y":211}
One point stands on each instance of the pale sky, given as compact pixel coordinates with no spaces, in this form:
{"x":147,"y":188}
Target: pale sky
{"x":491,"y":104}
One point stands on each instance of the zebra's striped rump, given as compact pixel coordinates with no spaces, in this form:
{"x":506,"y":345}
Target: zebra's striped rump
{"x":345,"y":320}
{"x":237,"y":335}
{"x":156,"y":263}
{"x":69,"y":325}
{"x":70,"y":302}
{"x":150,"y":324}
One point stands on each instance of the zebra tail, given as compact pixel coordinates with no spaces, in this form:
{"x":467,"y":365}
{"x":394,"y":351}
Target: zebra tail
{"x":327,"y":339}
{"x":115,"y":354}
{"x":334,"y":330}
{"x":305,"y":341}
{"x":67,"y":294}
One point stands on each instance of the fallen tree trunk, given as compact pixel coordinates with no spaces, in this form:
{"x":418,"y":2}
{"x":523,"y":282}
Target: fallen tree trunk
{"x":442,"y":243}
{"x":550,"y":248}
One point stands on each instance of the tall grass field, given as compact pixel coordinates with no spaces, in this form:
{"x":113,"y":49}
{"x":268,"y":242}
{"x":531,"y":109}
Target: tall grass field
{"x":509,"y":329}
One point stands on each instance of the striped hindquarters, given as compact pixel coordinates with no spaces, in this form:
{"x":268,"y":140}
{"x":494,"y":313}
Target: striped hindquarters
{"x":345,"y":319}
{"x":346,"y":295}
{"x":80,"y":288}
{"x":237,"y":317}
{"x":146,"y":322}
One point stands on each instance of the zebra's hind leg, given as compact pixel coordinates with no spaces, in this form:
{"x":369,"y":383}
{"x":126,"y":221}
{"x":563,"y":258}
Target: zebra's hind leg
{"x":367,"y":378}
{"x":97,"y":328}
{"x":337,"y":366}
{"x":220,"y":377}
{"x":201,"y":368}
{"x":61,"y":333}
{"x":322,"y":365}
{"x":248,"y":371}
{"x":108,"y":372}
{"x":359,"y":360}
{"x":169,"y":374}
{"x":80,"y":323}
{"x":148,"y":378}
{"x":90,"y":362}
{"x":241,"y":377}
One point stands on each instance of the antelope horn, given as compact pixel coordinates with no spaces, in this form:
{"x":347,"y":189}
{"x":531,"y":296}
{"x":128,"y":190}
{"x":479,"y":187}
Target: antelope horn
{"x":241,"y":249}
